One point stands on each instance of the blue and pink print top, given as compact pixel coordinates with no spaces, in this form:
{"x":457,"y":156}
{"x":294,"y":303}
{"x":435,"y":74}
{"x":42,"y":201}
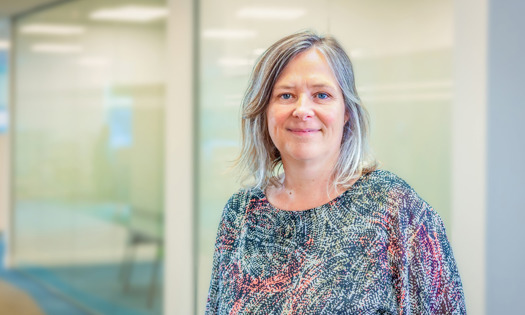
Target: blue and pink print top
{"x":378,"y":248}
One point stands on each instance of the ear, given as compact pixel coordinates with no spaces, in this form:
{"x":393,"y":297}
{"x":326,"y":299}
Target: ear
{"x":347,"y":116}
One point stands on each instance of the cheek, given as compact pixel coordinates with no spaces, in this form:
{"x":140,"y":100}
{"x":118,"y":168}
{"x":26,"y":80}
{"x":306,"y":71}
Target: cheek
{"x":270,"y":120}
{"x":336,"y":121}
{"x":274,"y":118}
{"x":338,"y":118}
{"x":333,"y":119}
{"x":271,"y":123}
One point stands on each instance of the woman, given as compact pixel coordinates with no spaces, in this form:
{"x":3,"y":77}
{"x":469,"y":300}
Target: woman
{"x":322,"y":231}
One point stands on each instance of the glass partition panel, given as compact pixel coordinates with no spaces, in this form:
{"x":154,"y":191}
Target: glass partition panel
{"x":402,"y":56}
{"x":88,"y":151}
{"x":402,"y":59}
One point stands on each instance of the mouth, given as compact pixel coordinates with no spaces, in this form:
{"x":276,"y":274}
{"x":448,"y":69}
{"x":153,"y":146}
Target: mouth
{"x":303,"y":131}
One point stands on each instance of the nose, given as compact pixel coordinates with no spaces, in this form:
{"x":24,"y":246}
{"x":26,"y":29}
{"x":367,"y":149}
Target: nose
{"x":303,"y":108}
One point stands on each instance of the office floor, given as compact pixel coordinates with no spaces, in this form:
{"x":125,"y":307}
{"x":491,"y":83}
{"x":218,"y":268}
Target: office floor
{"x":78,"y":252}
{"x":21,"y":295}
{"x":100,"y":288}
{"x":16,"y":301}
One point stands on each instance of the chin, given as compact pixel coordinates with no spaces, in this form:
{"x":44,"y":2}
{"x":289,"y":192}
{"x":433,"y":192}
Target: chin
{"x":304,"y":155}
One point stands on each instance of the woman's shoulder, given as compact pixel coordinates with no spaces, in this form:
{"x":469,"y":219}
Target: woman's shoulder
{"x":402,"y":200}
{"x":245,"y":194}
{"x":389,"y":192}
{"x":238,"y":202}
{"x":383,"y":181}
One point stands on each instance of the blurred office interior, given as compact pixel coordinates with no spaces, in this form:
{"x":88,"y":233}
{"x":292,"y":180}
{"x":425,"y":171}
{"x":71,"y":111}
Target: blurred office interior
{"x":119,"y":122}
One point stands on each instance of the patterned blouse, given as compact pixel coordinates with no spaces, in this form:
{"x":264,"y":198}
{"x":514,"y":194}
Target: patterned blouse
{"x":378,"y":248}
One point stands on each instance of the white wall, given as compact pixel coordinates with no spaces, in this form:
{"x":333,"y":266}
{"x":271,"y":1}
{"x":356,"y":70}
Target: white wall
{"x":179,"y":279}
{"x":469,"y":149}
{"x":488,"y":154}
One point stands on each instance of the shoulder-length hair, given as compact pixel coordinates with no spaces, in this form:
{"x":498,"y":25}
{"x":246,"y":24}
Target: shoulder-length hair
{"x":259,"y":158}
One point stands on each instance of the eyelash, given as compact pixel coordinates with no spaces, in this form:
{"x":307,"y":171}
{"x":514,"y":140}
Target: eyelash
{"x":282,"y":96}
{"x":322,"y":93}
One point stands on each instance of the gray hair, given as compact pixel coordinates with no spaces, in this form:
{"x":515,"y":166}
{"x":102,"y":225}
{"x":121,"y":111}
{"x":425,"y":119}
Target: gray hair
{"x":259,"y":158}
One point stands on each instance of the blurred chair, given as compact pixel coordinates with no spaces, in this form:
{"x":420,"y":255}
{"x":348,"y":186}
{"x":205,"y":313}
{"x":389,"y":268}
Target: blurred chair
{"x":144,"y":227}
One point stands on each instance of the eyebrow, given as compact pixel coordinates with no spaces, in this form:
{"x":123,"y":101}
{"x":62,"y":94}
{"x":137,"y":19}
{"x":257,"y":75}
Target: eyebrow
{"x":284,"y":87}
{"x":291,"y":86}
{"x":322,"y":85}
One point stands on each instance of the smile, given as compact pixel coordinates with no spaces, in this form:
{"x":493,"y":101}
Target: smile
{"x":300,"y":131}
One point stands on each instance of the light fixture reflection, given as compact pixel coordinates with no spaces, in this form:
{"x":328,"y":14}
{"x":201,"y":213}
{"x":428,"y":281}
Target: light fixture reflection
{"x":403,"y":86}
{"x":258,"y":51}
{"x":93,"y":62}
{"x":4,"y":45}
{"x":130,"y":14}
{"x":229,"y":33}
{"x":357,"y":53}
{"x":236,"y":62}
{"x":52,"y":29}
{"x":57,"y":48}
{"x":407,"y":91}
{"x":269,"y":13}
{"x":4,"y":120}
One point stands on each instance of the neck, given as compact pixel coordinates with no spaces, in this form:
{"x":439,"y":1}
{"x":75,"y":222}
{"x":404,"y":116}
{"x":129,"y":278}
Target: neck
{"x":305,"y":185}
{"x":306,"y":179}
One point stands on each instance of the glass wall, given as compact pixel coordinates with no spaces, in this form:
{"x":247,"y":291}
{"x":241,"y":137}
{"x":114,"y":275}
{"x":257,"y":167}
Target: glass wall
{"x":402,"y":54}
{"x":88,"y":151}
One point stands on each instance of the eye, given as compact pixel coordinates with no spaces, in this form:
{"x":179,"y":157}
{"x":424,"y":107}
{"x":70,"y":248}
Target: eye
{"x":286,"y":96}
{"x":322,"y":96}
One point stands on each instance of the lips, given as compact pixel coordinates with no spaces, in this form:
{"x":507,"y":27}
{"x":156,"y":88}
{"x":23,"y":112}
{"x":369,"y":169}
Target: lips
{"x":303,"y":131}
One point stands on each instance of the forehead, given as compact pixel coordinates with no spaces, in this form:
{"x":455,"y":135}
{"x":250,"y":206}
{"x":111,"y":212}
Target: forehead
{"x":310,"y":64}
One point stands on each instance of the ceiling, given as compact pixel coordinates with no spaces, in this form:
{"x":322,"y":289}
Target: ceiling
{"x":10,"y":7}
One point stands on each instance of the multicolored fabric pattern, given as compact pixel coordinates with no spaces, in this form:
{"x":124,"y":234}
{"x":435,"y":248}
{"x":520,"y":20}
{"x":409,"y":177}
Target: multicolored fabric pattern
{"x":378,"y":248}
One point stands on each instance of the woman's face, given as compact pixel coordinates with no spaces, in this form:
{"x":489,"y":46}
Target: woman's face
{"x":306,"y":113}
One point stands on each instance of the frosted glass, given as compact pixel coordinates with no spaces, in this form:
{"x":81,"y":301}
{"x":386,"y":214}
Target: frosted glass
{"x":402,"y":55}
{"x":88,"y":154}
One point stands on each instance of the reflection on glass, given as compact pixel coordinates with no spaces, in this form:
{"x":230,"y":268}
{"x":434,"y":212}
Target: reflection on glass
{"x":88,"y":152}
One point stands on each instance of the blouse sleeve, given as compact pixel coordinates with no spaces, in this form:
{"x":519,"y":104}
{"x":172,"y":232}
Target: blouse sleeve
{"x":429,"y":279}
{"x":229,"y":226}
